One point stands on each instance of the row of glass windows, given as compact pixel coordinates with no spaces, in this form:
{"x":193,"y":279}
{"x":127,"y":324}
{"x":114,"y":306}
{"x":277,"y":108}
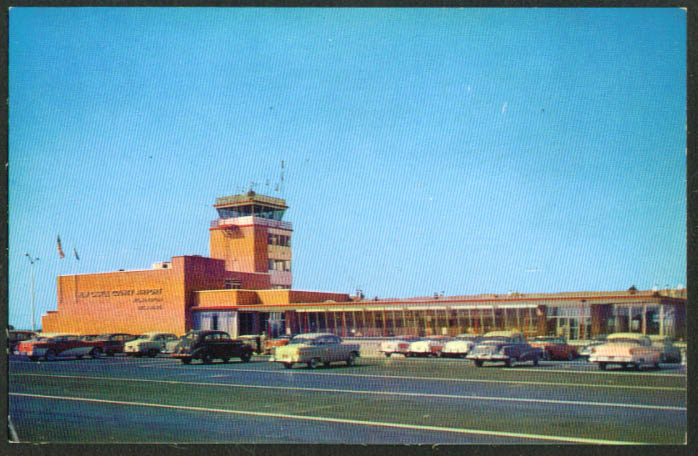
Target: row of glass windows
{"x":279,"y":239}
{"x":280,"y":265}
{"x":251,"y":210}
{"x":573,"y":323}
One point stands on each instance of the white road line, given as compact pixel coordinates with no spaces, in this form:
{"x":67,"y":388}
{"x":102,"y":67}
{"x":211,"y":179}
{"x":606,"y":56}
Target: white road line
{"x":441,"y":379}
{"x":344,"y":421}
{"x":374,"y":393}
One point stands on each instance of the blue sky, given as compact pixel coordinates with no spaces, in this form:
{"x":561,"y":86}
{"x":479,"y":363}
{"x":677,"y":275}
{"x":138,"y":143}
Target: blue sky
{"x":458,"y":150}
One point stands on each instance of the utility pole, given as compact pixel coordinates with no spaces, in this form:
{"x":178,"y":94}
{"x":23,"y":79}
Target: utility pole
{"x":31,"y":269}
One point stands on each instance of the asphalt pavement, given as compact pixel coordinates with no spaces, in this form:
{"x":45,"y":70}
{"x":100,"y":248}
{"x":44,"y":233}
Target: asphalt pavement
{"x":395,"y":400}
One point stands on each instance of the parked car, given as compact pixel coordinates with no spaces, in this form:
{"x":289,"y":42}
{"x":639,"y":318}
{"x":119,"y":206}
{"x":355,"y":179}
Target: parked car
{"x":270,"y":345}
{"x":460,"y":346}
{"x":149,"y":344}
{"x":670,"y":352}
{"x":16,"y":336}
{"x":109,"y":343}
{"x":587,"y":350}
{"x":429,"y":347}
{"x":50,"y":348}
{"x":555,"y":348}
{"x":170,"y":345}
{"x":398,"y":344}
{"x":315,"y":348}
{"x":256,"y":341}
{"x":208,"y":345}
{"x":627,"y":350}
{"x":504,"y":346}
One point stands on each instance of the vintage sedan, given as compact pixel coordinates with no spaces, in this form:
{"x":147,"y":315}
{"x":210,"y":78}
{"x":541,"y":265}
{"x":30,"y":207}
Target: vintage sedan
{"x":670,"y":352}
{"x":504,"y":346}
{"x":460,"y":346}
{"x":398,"y":344}
{"x":149,"y":344}
{"x":110,"y":344}
{"x":208,"y":345}
{"x":16,"y":336}
{"x":429,"y":347}
{"x":314,"y":349}
{"x":555,"y":348}
{"x":270,"y":345}
{"x":627,"y":350}
{"x":64,"y":345}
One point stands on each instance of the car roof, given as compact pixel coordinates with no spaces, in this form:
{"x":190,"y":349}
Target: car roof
{"x":502,"y":334}
{"x":625,"y":335}
{"x":316,"y":334}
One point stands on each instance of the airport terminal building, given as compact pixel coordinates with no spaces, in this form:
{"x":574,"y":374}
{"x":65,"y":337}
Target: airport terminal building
{"x":245,"y":287}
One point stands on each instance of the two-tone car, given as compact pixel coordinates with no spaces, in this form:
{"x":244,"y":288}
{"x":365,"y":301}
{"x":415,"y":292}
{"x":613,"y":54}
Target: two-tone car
{"x":149,"y":344}
{"x":460,"y":346}
{"x":208,"y":345}
{"x":397,"y":345}
{"x":51,"y":348}
{"x":588,"y":349}
{"x":427,"y":347}
{"x":555,"y":348}
{"x":507,"y":347}
{"x":627,"y":350}
{"x":314,"y":349}
{"x":110,"y":344}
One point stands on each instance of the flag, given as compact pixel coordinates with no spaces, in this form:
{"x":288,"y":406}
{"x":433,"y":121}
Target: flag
{"x":60,"y":249}
{"x":77,"y":257}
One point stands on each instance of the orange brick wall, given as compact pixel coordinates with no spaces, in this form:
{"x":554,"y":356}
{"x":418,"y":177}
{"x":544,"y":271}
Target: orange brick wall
{"x":246,"y":244}
{"x":133,"y":301}
{"x":250,"y":280}
{"x":221,"y":298}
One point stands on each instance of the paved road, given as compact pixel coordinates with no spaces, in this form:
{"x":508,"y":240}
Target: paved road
{"x":392,"y":400}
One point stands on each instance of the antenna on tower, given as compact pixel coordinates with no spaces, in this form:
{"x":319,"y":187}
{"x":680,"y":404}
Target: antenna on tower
{"x":282,"y":177}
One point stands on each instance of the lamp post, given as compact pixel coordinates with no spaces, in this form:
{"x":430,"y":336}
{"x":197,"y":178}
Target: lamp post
{"x":31,"y":269}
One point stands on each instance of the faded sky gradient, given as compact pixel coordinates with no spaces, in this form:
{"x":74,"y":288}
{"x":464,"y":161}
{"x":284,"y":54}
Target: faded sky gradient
{"x":426,"y":150}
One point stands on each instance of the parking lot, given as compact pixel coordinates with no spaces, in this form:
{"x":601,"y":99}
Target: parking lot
{"x":380,"y":400}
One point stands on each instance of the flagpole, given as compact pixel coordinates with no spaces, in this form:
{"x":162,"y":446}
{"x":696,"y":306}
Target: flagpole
{"x":31,"y":272}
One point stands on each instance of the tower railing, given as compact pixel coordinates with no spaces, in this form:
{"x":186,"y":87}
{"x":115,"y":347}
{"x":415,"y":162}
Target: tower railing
{"x":251,"y":220}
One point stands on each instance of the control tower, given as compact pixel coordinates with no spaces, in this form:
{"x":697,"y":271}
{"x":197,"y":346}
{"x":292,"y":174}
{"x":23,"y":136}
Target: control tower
{"x":251,"y":236}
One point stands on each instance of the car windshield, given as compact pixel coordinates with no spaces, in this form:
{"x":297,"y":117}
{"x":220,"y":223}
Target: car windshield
{"x":143,"y":336}
{"x":190,"y":336}
{"x":302,"y":340}
{"x":544,"y":339}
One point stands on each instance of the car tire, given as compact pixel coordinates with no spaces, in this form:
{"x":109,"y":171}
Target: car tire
{"x":387,"y":355}
{"x":34,"y":358}
{"x":96,"y":352}
{"x":351,"y":360}
{"x":186,"y":360}
{"x":153,"y":352}
{"x":226,"y":359}
{"x":602,"y":366}
{"x":206,"y":358}
{"x":571,"y":356}
{"x":288,"y":365}
{"x":547,"y":356}
{"x":507,"y":362}
{"x":50,"y":355}
{"x":79,"y":356}
{"x":110,"y":353}
{"x":478,"y":362}
{"x":313,"y":363}
{"x":245,"y":357}
{"x":535,"y":360}
{"x":461,"y":356}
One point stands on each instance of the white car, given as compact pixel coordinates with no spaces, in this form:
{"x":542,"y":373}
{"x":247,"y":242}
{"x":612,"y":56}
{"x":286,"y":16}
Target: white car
{"x":398,"y":344}
{"x":459,"y":347}
{"x":627,"y":350}
{"x":427,"y":347}
{"x":149,"y":344}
